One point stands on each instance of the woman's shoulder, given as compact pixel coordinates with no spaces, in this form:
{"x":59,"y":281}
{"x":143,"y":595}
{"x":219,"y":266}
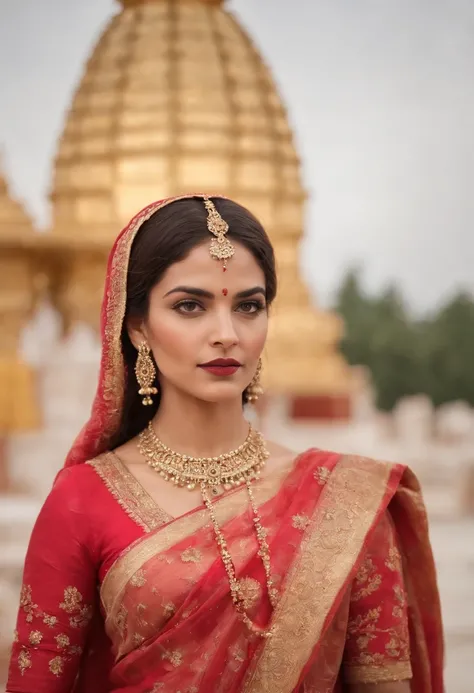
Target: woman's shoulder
{"x":351,"y":463}
{"x":77,"y":481}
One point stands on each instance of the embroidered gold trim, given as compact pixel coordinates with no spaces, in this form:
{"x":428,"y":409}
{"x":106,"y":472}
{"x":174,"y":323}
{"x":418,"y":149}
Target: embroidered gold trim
{"x":391,"y":671}
{"x":129,"y":493}
{"x":349,"y":502}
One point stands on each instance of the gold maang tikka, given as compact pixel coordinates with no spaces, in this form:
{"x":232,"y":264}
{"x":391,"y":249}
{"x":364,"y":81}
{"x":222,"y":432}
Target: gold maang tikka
{"x":221,"y":248}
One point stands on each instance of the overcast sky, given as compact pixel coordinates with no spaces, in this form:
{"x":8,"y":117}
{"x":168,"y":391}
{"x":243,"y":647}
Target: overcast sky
{"x":381,"y":97}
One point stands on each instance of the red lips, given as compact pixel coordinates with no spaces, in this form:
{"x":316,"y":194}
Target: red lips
{"x":221,"y":367}
{"x":221,"y":362}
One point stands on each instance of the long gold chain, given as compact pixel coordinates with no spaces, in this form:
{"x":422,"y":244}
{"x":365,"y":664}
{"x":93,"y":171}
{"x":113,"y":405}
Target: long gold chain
{"x":234,"y":468}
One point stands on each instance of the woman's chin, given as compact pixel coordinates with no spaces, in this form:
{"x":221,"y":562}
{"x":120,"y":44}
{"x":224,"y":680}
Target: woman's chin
{"x":221,"y":392}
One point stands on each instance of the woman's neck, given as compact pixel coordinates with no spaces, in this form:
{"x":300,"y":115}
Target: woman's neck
{"x":200,"y":429}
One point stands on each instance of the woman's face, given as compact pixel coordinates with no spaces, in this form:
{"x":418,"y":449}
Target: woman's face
{"x":198,"y":314}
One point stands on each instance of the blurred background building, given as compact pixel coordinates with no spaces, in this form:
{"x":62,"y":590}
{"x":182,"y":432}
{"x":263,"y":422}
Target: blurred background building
{"x":175,"y":96}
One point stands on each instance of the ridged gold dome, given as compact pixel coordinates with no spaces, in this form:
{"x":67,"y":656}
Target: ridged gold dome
{"x":175,"y":98}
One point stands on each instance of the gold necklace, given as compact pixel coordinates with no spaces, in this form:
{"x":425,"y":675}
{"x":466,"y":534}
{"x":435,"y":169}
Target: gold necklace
{"x":235,"y":468}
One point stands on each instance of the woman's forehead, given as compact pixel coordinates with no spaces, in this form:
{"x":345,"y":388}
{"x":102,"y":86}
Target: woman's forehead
{"x":199,"y":266}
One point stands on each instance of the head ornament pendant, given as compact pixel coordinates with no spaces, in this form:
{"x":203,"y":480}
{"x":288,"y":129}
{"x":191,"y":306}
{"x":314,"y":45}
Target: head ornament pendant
{"x":221,"y":248}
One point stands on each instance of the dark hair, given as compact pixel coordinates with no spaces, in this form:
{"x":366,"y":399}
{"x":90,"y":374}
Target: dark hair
{"x":168,"y":237}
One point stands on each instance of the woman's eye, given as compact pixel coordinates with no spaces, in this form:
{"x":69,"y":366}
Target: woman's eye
{"x":188,"y":307}
{"x":251,"y":307}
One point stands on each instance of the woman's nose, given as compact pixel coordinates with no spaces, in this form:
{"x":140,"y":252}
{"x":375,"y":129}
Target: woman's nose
{"x":224,"y":333}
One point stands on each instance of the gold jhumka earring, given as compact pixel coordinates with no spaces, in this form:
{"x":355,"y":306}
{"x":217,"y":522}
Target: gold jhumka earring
{"x":255,"y":389}
{"x":237,"y":467}
{"x":145,"y":371}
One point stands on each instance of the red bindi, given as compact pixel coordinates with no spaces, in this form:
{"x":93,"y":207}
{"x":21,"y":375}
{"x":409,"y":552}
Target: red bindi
{"x":225,"y":292}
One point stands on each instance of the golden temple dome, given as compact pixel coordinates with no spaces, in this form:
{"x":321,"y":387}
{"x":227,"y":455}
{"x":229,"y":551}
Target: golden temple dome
{"x":175,"y":98}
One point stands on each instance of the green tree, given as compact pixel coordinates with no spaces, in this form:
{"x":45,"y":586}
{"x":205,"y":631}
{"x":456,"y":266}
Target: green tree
{"x":356,"y":310}
{"x":394,"y":359}
{"x":380,"y":335}
{"x":448,"y":351}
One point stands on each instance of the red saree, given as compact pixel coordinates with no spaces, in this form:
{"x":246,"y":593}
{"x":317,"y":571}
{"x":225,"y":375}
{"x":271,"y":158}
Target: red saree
{"x":120,"y":597}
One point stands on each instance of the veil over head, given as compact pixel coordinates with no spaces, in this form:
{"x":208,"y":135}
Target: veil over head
{"x":104,"y":420}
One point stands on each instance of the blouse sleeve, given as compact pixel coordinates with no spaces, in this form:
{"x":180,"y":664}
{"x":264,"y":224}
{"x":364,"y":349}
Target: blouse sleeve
{"x":59,"y":585}
{"x":377,"y":646}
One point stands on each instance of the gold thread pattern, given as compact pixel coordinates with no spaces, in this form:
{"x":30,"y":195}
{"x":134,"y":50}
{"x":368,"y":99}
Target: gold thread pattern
{"x":35,"y":637}
{"x":73,"y":604}
{"x":129,"y":493}
{"x":139,"y":579}
{"x":24,"y":661}
{"x":390,"y":671}
{"x":32,"y":610}
{"x":300,"y":522}
{"x":56,"y":665}
{"x":191,"y":555}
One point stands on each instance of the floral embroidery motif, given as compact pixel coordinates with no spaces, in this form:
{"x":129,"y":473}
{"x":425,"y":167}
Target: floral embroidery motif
{"x":137,"y":639}
{"x":139,"y":579}
{"x":35,"y":637}
{"x":377,"y":634}
{"x":238,"y":655}
{"x":191,"y":555}
{"x":73,"y":604}
{"x":56,"y":666}
{"x":393,"y":560}
{"x":80,"y":615}
{"x":367,"y":580}
{"x":121,"y":619}
{"x":15,"y":636}
{"x":300,"y":522}
{"x":50,"y":620}
{"x":32,"y":610}
{"x":322,"y":474}
{"x":24,"y":661}
{"x":26,"y":602}
{"x":251,"y":592}
{"x":169,"y":609}
{"x":173,"y":656}
{"x":62,"y":641}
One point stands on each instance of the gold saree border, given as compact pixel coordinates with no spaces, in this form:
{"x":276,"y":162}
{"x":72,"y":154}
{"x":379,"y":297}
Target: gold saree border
{"x":163,"y":538}
{"x":128,"y":492}
{"x":393,"y":671}
{"x":348,"y":507}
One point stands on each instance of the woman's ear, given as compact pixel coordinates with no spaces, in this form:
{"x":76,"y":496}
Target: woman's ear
{"x":136,"y":331}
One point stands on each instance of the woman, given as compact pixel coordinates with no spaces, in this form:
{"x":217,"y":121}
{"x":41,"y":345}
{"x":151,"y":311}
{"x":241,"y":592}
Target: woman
{"x":178,"y":551}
